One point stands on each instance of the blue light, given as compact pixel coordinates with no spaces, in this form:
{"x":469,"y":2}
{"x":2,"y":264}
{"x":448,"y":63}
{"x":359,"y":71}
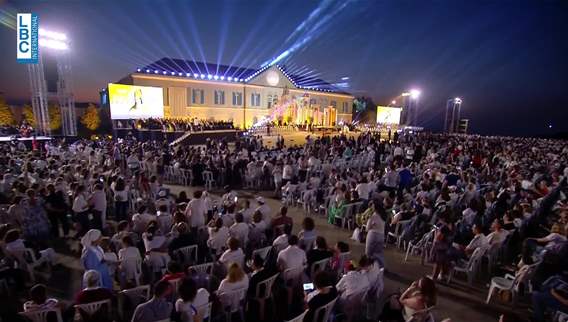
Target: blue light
{"x":222,"y":77}
{"x":164,"y":72}
{"x":195,"y":75}
{"x":202,"y":76}
{"x":155,"y":71}
{"x":173,"y":73}
{"x":179,"y":74}
{"x":216,"y":77}
{"x":229,"y":78}
{"x":187,"y":74}
{"x":138,"y":70}
{"x":147,"y":70}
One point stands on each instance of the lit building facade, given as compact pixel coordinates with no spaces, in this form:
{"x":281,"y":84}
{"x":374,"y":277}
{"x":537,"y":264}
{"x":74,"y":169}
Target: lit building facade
{"x":244,"y":96}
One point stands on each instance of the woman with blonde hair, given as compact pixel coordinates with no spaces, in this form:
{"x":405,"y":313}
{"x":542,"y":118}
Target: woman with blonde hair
{"x":236,"y":279}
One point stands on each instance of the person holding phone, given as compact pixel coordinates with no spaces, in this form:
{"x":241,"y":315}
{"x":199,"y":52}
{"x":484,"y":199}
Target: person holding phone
{"x":324,"y":293}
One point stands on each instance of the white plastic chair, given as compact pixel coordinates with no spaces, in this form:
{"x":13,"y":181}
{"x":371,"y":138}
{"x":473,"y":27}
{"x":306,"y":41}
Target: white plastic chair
{"x":397,"y":233}
{"x":233,"y":302}
{"x":137,"y":295}
{"x":420,"y":246}
{"x":470,"y":268}
{"x":91,"y":308}
{"x":324,"y":312}
{"x":209,"y":181}
{"x":206,"y":268}
{"x":511,"y":283}
{"x":204,"y":310}
{"x":299,"y":318}
{"x":318,"y":266}
{"x":41,"y":315}
{"x":263,"y":252}
{"x":560,"y":317}
{"x":188,"y":253}
{"x":263,"y":292}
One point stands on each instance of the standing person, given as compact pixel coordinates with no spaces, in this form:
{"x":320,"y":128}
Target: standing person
{"x":35,"y":224}
{"x":92,"y":256}
{"x":98,"y":203}
{"x":56,"y":211}
{"x":120,"y":191}
{"x":374,"y":246}
{"x":81,"y":210}
{"x":196,"y":211}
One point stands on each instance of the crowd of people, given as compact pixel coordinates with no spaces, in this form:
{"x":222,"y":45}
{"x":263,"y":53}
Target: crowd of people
{"x":469,"y":196}
{"x":175,"y":124}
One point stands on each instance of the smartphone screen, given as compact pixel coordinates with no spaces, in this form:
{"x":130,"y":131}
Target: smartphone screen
{"x":308,"y":287}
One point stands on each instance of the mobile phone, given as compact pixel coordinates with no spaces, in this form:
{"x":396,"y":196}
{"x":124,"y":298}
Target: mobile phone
{"x":308,"y":287}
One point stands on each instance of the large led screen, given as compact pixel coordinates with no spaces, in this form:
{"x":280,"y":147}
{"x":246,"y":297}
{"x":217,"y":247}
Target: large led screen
{"x":135,"y":102}
{"x":388,"y":115}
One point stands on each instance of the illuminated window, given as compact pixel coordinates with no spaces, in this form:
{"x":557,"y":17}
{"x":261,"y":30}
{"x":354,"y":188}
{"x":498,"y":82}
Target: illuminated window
{"x":237,"y":98}
{"x":254,"y":99}
{"x":219,"y":97}
{"x":197,"y":97}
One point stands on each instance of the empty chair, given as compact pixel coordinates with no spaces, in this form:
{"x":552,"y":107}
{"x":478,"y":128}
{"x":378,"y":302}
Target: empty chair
{"x":512,"y":283}
{"x":319,"y":266}
{"x":420,"y":246}
{"x":322,"y":314}
{"x":42,"y":315}
{"x":397,"y":233}
{"x":470,"y":268}
{"x":186,"y":255}
{"x":102,"y":310}
{"x":204,"y":310}
{"x":132,"y":297}
{"x":208,"y":179}
{"x":262,"y":252}
{"x":206,"y":268}
{"x":263,"y":292}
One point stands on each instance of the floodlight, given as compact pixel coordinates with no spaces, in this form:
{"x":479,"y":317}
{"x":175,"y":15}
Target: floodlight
{"x":414,"y":93}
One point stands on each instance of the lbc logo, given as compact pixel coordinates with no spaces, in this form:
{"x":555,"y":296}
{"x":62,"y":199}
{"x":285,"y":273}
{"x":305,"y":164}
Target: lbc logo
{"x":27,"y":38}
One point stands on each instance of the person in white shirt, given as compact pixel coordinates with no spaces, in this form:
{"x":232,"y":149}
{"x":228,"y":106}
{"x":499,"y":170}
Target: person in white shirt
{"x":80,"y":208}
{"x":218,"y":235}
{"x":354,"y":282}
{"x":292,"y":256}
{"x":239,"y":229}
{"x":236,"y":279}
{"x":287,"y":173}
{"x":363,"y":189}
{"x":98,"y":202}
{"x":498,"y":234}
{"x":164,"y":219}
{"x":234,"y":254}
{"x":156,"y":252}
{"x":264,"y":209}
{"x":141,"y":219}
{"x":191,"y":301}
{"x":247,"y":212}
{"x":374,"y":246}
{"x":196,"y":211}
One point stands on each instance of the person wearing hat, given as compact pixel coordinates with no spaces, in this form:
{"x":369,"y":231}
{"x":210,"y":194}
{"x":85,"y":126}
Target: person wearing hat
{"x":92,"y":257}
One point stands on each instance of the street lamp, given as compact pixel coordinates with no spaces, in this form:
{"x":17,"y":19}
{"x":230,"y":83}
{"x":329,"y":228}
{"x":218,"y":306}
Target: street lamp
{"x":414,"y":93}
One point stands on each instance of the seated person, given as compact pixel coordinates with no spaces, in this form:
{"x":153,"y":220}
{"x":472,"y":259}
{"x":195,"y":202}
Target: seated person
{"x":234,"y":254}
{"x":553,"y":296}
{"x":418,"y":297}
{"x":190,"y":301}
{"x":236,"y":279}
{"x":281,"y":241}
{"x":158,"y":308}
{"x":292,"y":256}
{"x":308,"y":231}
{"x":39,"y":301}
{"x":174,"y":272}
{"x":319,"y":252}
{"x":323,"y":293}
{"x":282,"y":218}
{"x":239,"y":229}
{"x":218,"y":235}
{"x":183,"y":239}
{"x":93,"y":292}
{"x":354,"y":282}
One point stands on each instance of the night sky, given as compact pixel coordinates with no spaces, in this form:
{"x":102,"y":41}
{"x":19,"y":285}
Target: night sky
{"x":507,"y":60}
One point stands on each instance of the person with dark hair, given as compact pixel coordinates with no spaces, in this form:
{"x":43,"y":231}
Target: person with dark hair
{"x":374,"y":246}
{"x":234,"y":254}
{"x":259,"y":274}
{"x":324,"y":292}
{"x":420,"y":296}
{"x":120,"y":191}
{"x":292,"y":256}
{"x":158,"y":307}
{"x":190,"y":300}
{"x":39,"y":300}
{"x":282,"y":218}
{"x":240,"y":229}
{"x":320,"y":251}
{"x":218,"y":235}
{"x":183,"y":239}
{"x":56,"y":211}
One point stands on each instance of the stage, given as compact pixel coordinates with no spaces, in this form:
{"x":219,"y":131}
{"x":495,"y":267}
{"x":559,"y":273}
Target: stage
{"x":15,"y":137}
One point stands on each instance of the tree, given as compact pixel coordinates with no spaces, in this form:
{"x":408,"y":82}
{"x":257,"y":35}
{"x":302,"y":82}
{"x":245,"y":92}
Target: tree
{"x":6,"y":115}
{"x":54,"y":116}
{"x":28,"y":115}
{"x":91,"y":119}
